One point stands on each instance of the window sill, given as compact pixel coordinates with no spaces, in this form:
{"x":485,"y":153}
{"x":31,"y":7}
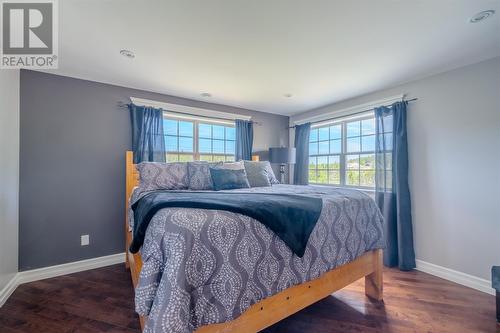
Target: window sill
{"x":362,"y":189}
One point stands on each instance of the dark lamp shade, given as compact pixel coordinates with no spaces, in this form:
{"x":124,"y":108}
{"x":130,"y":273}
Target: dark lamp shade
{"x":282,"y":155}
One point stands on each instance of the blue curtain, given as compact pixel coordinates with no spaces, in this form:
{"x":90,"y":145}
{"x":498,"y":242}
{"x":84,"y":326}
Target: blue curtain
{"x":391,"y":180}
{"x":244,"y":140}
{"x":301,"y":169}
{"x":148,"y":141}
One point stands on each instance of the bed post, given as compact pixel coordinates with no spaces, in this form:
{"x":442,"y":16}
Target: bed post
{"x":373,"y":281}
{"x":133,"y":262}
{"x":129,"y":167}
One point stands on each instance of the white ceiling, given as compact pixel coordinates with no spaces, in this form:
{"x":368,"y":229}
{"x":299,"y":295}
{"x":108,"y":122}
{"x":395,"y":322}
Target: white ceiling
{"x":250,"y":53}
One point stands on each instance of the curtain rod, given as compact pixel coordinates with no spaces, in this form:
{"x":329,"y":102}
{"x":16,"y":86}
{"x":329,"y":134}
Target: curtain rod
{"x":351,"y":114}
{"x":125,"y":105}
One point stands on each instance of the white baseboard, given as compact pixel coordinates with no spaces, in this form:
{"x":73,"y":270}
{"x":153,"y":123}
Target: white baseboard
{"x":69,"y":268}
{"x":8,"y":290}
{"x":467,"y":280}
{"x":58,"y":270}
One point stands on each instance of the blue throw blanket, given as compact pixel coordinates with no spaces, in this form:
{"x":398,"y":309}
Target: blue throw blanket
{"x":291,"y":217}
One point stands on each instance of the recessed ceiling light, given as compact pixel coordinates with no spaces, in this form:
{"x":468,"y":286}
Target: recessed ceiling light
{"x":481,"y":16}
{"x":205,"y":94}
{"x":127,"y":53}
{"x":288,"y":95}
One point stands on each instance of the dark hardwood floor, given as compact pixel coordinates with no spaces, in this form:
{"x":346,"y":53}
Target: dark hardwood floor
{"x":101,"y":300}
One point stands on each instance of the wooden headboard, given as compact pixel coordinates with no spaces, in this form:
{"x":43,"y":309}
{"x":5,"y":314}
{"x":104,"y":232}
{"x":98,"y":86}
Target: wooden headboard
{"x":132,"y":175}
{"x":131,"y":181}
{"x":132,"y":261}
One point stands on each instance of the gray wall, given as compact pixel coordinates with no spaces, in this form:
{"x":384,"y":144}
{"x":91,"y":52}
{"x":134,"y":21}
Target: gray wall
{"x":72,"y":176}
{"x":454,"y":152}
{"x":9,"y":174}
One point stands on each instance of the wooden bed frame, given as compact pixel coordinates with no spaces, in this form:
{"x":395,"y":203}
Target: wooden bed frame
{"x":279,"y":306}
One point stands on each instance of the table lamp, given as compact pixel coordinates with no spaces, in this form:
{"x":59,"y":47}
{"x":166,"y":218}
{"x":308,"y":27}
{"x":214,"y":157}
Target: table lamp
{"x":282,"y":156}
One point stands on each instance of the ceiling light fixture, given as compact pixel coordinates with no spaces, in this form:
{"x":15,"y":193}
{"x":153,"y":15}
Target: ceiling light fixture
{"x":205,"y":94}
{"x":481,"y":16}
{"x":127,"y":53}
{"x":288,"y":95}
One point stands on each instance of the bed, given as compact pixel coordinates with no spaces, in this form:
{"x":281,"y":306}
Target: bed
{"x":242,"y":278}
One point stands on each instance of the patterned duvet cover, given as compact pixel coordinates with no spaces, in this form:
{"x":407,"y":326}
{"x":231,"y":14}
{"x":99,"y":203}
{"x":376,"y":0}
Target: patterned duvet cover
{"x":207,"y":266}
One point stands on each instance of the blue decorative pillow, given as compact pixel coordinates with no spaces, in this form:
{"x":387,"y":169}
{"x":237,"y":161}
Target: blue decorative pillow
{"x":225,"y":179}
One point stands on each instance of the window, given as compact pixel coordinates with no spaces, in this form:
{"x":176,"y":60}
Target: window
{"x":343,"y":153}
{"x":198,"y":139}
{"x":216,"y":142}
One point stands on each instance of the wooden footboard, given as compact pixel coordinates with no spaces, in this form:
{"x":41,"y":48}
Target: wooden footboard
{"x":277,"y":307}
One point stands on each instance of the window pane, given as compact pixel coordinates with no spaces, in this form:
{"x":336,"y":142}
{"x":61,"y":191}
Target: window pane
{"x":333,"y":162}
{"x":312,"y":162}
{"x":322,"y":177}
{"x":367,"y":178}
{"x":322,"y":162}
{"x":205,"y":131}
{"x":218,"y":131}
{"x":313,"y":136}
{"x":206,"y":158}
{"x":170,"y":126}
{"x":388,"y":141}
{"x":205,"y":146}
{"x":313,"y":148}
{"x":218,"y":146}
{"x":185,"y":128}
{"x":353,"y":145}
{"x":387,"y":124}
{"x":334,"y":177}
{"x":219,"y":158}
{"x":368,"y":126}
{"x":323,"y":133}
{"x":230,"y":158}
{"x":352,"y":178}
{"x":186,"y":144}
{"x":388,"y":180}
{"x":388,"y":161}
{"x":323,"y":147}
{"x":312,"y":176}
{"x":352,"y":162}
{"x":336,"y":132}
{"x":230,"y":147}
{"x":186,"y":158}
{"x":335,"y":146}
{"x":368,"y":143}
{"x":367,"y":161}
{"x":230,"y":133}
{"x":172,"y":158}
{"x":353,"y":129}
{"x":171,"y":143}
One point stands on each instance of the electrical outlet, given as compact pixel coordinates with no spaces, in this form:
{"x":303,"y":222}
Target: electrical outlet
{"x":85,"y":240}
